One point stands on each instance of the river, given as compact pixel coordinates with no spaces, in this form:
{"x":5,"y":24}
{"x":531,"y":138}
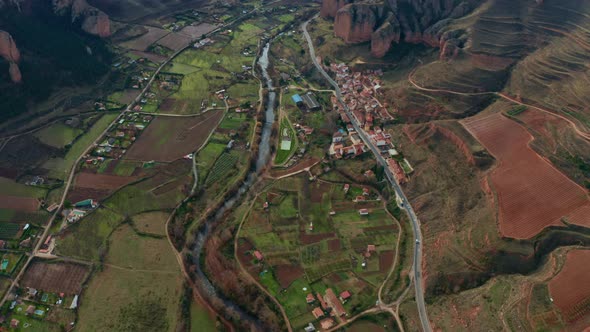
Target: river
{"x":261,"y":161}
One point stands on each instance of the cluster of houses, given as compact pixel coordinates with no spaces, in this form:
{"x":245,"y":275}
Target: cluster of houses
{"x":203,"y":42}
{"x":79,"y":210}
{"x":119,"y":139}
{"x":329,"y":307}
{"x":359,"y":91}
{"x":346,"y":144}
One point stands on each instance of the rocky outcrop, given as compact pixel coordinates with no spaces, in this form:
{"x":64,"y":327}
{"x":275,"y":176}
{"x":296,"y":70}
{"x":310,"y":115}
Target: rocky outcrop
{"x":10,"y":53}
{"x":90,"y":19}
{"x":331,"y":7}
{"x":410,"y":21}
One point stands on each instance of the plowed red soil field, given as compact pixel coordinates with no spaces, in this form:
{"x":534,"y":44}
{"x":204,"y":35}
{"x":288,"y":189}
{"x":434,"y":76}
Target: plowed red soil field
{"x":570,"y":289}
{"x":532,"y":193}
{"x":102,"y":181}
{"x":26,"y":204}
{"x":56,"y":278}
{"x":170,"y":138}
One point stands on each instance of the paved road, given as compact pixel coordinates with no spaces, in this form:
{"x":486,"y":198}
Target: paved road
{"x":398,"y":190}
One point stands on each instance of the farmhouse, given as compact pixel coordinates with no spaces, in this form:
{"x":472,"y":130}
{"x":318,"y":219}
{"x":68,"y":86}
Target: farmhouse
{"x":335,"y":304}
{"x":258,"y":255}
{"x":311,"y":102}
{"x":317,"y":312}
{"x":344,"y":296}
{"x":322,"y":302}
{"x":297,"y":99}
{"x":327,"y":323}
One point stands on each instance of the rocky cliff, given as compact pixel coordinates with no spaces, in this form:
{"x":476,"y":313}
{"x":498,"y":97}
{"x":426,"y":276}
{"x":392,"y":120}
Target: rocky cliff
{"x":90,"y":19}
{"x":10,"y":53}
{"x":411,"y":21}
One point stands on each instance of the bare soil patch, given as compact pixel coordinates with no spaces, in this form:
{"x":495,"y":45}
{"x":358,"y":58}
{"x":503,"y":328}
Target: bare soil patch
{"x":385,"y":260}
{"x":196,"y":31}
{"x":286,"y":274}
{"x":313,"y":238}
{"x":175,"y":41}
{"x":102,"y":181}
{"x":26,"y":204}
{"x":170,"y":138}
{"x":155,"y":58}
{"x":532,"y":193}
{"x":334,"y":245}
{"x":56,"y":278}
{"x":570,"y":289}
{"x":80,"y":194}
{"x":142,"y":43}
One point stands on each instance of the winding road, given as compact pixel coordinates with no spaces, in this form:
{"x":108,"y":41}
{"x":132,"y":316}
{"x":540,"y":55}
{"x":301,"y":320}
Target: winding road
{"x":405,"y":205}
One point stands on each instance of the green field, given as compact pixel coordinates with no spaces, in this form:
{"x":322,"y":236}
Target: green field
{"x":8,"y":230}
{"x":207,"y":157}
{"x":126,"y":167}
{"x":61,"y":167}
{"x":224,"y":164}
{"x":283,"y":155}
{"x":200,"y":319}
{"x":139,"y":288}
{"x":58,"y":135}
{"x":132,"y":200}
{"x":11,"y":188}
{"x":87,"y":239}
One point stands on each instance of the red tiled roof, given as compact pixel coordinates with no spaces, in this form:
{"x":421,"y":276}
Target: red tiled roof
{"x":345,"y":295}
{"x":317,"y":312}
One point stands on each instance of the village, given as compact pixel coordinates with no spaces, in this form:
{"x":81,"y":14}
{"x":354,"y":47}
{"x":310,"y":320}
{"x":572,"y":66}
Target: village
{"x":360,"y":91}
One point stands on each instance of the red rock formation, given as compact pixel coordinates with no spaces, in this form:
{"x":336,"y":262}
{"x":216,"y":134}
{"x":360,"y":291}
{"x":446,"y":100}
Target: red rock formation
{"x":331,"y":7}
{"x":10,"y":53}
{"x":92,"y":20}
{"x":411,"y":21}
{"x":456,"y":140}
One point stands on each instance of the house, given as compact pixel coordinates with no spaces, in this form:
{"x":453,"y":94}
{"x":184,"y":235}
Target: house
{"x":366,"y":191}
{"x":337,"y":137}
{"x":52,"y":207}
{"x":309,"y":328}
{"x":297,"y":99}
{"x":317,"y":312}
{"x":14,"y":323}
{"x":2,"y":244}
{"x":310,"y":298}
{"x":322,"y":302}
{"x":74,"y":304}
{"x":371,"y":248}
{"x":311,"y":102}
{"x":364,"y":212}
{"x":335,"y":304}
{"x":86,"y":204}
{"x":32,"y":292}
{"x":265,"y":205}
{"x":359,"y":199}
{"x":327,"y":323}
{"x":258,"y":255}
{"x":346,"y":188}
{"x":30,"y":310}
{"x":344,"y":296}
{"x":332,"y":213}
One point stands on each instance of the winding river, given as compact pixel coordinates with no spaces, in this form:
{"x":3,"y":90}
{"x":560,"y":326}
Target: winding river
{"x":261,"y":161}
